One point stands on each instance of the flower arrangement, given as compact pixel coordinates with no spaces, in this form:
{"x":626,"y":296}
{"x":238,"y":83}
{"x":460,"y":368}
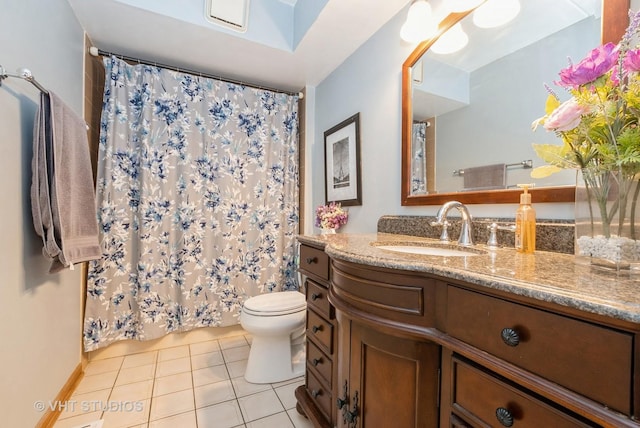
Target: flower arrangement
{"x":599,"y":130}
{"x":331,"y":216}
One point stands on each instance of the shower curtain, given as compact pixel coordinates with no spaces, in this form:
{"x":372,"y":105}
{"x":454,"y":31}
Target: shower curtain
{"x":418,"y":158}
{"x":197,"y":202}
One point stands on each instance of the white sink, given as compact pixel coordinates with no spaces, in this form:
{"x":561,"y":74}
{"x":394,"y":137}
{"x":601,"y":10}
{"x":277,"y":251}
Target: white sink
{"x":443,"y":250}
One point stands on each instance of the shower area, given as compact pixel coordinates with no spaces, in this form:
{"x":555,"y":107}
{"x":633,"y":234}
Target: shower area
{"x":197,"y":187}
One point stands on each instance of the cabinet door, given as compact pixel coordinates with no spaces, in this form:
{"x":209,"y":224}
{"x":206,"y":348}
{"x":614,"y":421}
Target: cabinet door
{"x":392,"y":381}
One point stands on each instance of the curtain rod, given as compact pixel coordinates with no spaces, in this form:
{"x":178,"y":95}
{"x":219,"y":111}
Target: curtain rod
{"x":99,"y":52}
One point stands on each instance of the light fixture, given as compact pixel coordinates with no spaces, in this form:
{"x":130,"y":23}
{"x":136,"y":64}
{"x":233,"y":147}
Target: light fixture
{"x":451,"y":41}
{"x":420,"y":24}
{"x":462,"y":5}
{"x":495,"y":13}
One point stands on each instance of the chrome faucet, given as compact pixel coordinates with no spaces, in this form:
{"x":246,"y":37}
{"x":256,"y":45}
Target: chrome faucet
{"x":466,"y":229}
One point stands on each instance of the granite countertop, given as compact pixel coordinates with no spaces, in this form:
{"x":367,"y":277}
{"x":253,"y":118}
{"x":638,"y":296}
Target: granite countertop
{"x":546,"y":276}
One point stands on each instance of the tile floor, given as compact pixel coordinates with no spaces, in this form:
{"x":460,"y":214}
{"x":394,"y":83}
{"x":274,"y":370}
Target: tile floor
{"x":191,"y":386}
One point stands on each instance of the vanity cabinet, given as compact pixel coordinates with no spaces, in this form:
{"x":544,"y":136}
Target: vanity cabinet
{"x":414,"y":349}
{"x":316,"y":398}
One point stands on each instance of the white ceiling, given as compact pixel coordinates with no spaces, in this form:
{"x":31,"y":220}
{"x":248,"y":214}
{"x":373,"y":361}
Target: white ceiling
{"x":151,"y":30}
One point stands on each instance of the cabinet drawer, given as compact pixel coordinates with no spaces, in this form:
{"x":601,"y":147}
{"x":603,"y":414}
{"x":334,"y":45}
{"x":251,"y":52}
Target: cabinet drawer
{"x":314,"y":261}
{"x":319,"y":362}
{"x":569,"y":352}
{"x":317,"y":297}
{"x":484,"y":399}
{"x":320,"y":331}
{"x":319,"y":394}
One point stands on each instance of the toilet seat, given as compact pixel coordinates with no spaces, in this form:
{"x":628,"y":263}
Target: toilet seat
{"x":275,"y":304}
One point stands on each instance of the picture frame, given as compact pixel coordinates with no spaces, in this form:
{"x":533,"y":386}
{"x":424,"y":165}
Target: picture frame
{"x":342,"y":162}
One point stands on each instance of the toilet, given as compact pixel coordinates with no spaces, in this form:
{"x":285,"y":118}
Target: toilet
{"x":276,"y":322}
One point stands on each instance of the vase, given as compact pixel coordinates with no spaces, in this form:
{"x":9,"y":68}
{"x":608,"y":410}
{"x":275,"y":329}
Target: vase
{"x":327,"y":231}
{"x":607,"y":227}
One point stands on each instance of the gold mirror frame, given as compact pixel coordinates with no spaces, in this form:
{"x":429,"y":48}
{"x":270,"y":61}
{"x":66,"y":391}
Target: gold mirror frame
{"x":614,"y":22}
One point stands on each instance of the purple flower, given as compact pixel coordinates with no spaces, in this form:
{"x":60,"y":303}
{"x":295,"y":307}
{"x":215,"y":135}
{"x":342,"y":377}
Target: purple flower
{"x":566,"y":116}
{"x":597,"y":62}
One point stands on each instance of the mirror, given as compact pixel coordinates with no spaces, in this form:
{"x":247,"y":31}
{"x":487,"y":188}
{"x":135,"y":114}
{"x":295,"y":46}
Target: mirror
{"x":451,"y":146}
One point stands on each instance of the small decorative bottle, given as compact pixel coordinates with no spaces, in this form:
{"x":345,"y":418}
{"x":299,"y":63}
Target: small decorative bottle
{"x":525,"y":223}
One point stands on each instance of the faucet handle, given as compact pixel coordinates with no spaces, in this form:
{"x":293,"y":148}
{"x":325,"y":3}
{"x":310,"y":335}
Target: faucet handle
{"x":493,"y":233}
{"x":444,"y":236}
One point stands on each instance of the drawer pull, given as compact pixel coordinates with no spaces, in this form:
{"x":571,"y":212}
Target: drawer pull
{"x":315,"y":393}
{"x":311,"y":260}
{"x":315,"y":296}
{"x":510,"y":337}
{"x":504,"y":416}
{"x":316,"y":328}
{"x":316,"y":361}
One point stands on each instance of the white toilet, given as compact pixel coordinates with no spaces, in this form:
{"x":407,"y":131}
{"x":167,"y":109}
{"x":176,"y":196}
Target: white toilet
{"x":276,"y":322}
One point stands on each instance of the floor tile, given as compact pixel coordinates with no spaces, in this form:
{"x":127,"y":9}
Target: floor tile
{"x":286,"y":394}
{"x":167,"y":368}
{"x":209,"y":375}
{"x":223,"y":415}
{"x":279,"y":420}
{"x":77,"y":421}
{"x":232,"y":342}
{"x":96,"y":382}
{"x":103,"y":366}
{"x":136,"y":374}
{"x":141,"y":359}
{"x":288,"y":381}
{"x":260,"y":405}
{"x":171,"y":404}
{"x":173,"y":353}
{"x":174,"y":383}
{"x":204,"y":347}
{"x":183,"y":420}
{"x":213,"y":393}
{"x":236,"y":354}
{"x":249,"y":338}
{"x":244,"y":388}
{"x":299,"y":421}
{"x":237,"y":368}
{"x":125,"y":414}
{"x":206,"y":360}
{"x":137,"y":391}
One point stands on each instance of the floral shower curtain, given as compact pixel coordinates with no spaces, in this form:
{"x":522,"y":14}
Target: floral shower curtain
{"x":418,"y":158}
{"x":197,"y":200}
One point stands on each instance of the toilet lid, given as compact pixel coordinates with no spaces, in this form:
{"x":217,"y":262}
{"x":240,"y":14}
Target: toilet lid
{"x":278,"y":303}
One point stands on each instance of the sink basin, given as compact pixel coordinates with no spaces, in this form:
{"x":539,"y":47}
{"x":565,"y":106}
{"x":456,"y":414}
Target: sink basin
{"x":426,"y":249}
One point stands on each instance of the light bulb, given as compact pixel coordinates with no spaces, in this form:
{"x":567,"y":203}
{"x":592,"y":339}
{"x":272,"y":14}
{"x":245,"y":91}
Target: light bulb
{"x":420,"y":24}
{"x":451,"y":41}
{"x":495,"y":13}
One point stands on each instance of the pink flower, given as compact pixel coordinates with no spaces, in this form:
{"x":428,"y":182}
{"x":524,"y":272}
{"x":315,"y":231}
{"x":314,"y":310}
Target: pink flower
{"x":566,"y":116}
{"x":598,"y":62}
{"x":632,"y":60}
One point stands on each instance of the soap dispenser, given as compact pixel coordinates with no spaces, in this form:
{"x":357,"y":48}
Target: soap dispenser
{"x":525,"y":223}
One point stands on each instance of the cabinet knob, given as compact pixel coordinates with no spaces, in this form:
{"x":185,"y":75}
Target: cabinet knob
{"x":311,"y":260}
{"x":504,"y":416}
{"x":316,"y":361}
{"x":315,"y":393}
{"x":316,"y":328}
{"x":315,"y":296}
{"x":510,"y":337}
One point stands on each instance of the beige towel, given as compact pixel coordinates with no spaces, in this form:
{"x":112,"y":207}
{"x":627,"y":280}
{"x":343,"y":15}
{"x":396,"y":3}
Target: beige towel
{"x":485,"y":177}
{"x":72,"y":196}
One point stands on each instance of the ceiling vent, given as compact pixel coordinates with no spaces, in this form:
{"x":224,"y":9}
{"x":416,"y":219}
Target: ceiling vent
{"x":232,"y":14}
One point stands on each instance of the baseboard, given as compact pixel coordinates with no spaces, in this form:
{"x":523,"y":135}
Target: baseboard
{"x":51,"y":415}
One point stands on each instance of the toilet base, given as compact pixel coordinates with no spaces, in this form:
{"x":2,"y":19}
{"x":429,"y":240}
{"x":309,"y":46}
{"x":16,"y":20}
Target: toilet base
{"x":275,"y":359}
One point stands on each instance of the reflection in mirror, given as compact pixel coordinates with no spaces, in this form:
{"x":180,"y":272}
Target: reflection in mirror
{"x":471,"y":111}
{"x":484,"y":97}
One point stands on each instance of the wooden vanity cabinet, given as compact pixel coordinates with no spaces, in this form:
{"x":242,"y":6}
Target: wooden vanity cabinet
{"x":316,"y":398}
{"x":409,"y":349}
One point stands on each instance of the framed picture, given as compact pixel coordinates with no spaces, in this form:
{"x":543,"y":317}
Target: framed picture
{"x":342,"y":162}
